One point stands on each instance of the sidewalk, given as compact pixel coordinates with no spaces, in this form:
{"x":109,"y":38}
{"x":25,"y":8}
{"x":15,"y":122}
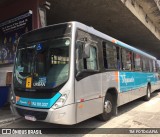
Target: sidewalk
{"x":6,"y":116}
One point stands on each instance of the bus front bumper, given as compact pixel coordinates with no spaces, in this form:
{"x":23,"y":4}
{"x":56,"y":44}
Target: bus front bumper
{"x":65,"y":115}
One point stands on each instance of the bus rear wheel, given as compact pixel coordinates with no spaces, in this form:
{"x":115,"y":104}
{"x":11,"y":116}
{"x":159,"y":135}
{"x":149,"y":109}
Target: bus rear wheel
{"x":107,"y":108}
{"x":148,"y":94}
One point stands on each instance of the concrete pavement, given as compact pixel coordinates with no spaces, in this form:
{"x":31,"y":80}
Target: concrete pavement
{"x":6,"y":117}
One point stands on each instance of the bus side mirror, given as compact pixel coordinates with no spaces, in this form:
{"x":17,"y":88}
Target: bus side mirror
{"x":86,"y":52}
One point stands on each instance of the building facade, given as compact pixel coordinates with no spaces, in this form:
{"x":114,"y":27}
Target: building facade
{"x":16,"y":18}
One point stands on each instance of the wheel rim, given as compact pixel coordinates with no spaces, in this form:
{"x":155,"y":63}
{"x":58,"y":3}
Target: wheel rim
{"x":108,"y":106}
{"x":149,"y":93}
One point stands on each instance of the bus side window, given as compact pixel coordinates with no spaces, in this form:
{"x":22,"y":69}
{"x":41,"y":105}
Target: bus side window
{"x":154,"y":66}
{"x":137,"y":62}
{"x":158,"y":66}
{"x":110,"y":56}
{"x":86,"y":63}
{"x":79,"y":56}
{"x":118,"y":58}
{"x":126,"y":60}
{"x":145,"y":64}
{"x":91,"y":62}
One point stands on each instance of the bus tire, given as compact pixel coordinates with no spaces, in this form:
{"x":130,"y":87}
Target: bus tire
{"x":148,"y":94}
{"x":108,"y":108}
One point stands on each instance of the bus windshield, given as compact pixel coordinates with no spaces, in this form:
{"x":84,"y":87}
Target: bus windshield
{"x":46,"y":63}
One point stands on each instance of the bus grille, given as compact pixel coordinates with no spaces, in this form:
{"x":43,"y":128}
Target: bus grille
{"x":37,"y":114}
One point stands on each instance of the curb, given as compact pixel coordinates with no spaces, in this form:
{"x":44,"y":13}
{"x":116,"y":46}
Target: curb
{"x":9,"y":120}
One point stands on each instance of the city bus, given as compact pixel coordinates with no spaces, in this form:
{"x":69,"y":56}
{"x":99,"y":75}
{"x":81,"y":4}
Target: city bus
{"x":69,"y":72}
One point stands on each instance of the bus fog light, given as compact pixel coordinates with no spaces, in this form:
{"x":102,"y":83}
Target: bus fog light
{"x":60,"y":101}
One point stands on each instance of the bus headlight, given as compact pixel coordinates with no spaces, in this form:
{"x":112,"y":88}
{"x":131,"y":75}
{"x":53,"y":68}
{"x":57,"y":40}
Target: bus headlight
{"x":60,"y":102}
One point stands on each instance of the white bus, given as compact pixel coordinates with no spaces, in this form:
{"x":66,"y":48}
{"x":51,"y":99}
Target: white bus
{"x":67,"y":73}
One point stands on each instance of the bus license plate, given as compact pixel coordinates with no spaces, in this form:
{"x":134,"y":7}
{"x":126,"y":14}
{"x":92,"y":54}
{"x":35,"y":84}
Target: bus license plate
{"x":31,"y":118}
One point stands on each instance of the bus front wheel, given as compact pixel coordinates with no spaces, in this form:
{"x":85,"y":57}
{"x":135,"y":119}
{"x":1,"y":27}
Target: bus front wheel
{"x":107,"y":108}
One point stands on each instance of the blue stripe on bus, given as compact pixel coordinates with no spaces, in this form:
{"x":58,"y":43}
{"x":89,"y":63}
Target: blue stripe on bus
{"x":38,"y":103}
{"x":133,"y":80}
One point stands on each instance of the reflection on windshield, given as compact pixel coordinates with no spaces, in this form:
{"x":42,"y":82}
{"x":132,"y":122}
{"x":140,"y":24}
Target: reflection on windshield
{"x":46,"y":63}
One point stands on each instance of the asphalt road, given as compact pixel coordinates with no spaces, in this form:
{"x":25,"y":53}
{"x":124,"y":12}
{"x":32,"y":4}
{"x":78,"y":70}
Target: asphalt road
{"x":136,"y":114}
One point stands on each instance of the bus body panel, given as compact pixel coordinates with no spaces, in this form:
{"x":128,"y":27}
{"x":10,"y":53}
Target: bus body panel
{"x":134,"y":85}
{"x":88,"y":97}
{"x":89,"y":108}
{"x":110,"y":80}
{"x":131,"y":95}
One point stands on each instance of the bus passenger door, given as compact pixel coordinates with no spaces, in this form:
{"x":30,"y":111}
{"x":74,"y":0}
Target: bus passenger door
{"x":88,"y":83}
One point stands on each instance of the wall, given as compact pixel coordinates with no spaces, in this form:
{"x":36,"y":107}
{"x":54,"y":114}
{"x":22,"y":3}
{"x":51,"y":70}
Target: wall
{"x":18,"y":7}
{"x":11,"y":9}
